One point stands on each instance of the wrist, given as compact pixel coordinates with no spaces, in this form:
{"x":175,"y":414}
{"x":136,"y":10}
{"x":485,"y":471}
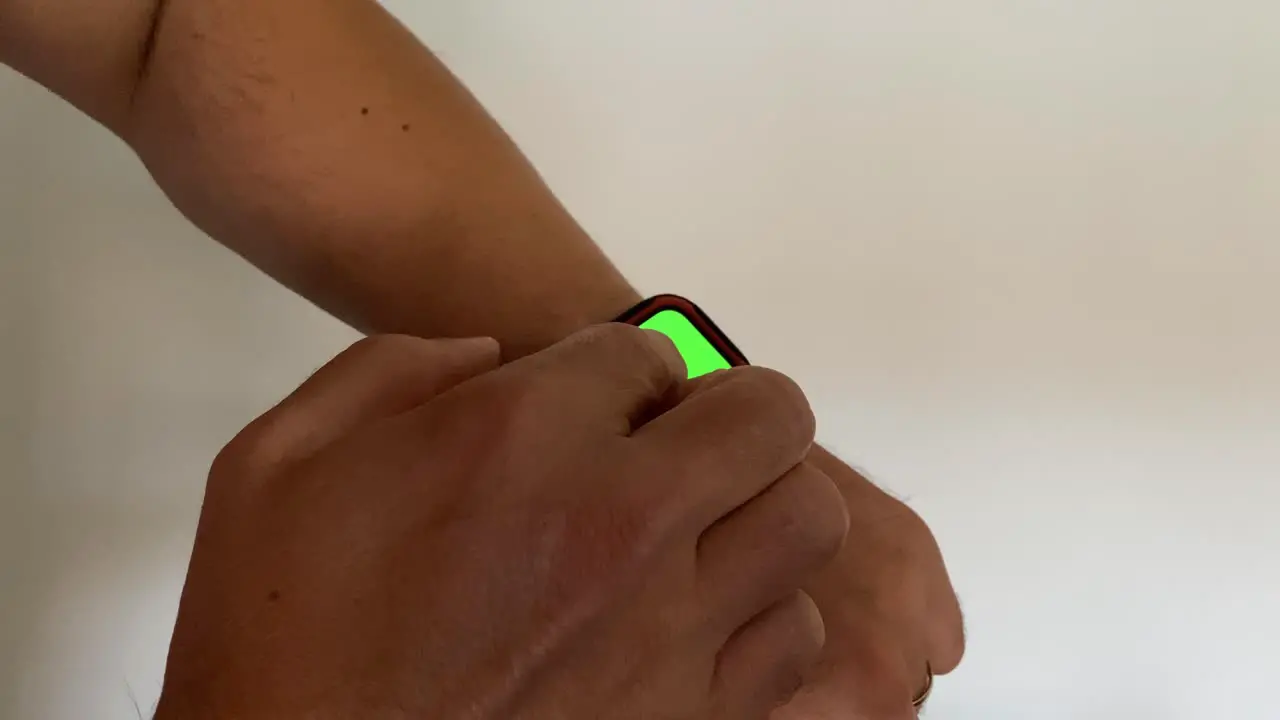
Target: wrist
{"x":564,"y":314}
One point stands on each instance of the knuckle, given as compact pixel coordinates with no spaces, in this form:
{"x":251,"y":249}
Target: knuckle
{"x":804,"y":633}
{"x":777,"y":400}
{"x":612,"y":357}
{"x":250,"y":455}
{"x":613,"y":339}
{"x":619,"y":343}
{"x":817,"y":519}
{"x":624,"y":337}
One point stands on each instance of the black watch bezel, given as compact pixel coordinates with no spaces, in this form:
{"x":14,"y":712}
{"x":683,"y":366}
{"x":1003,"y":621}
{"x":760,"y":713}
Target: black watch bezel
{"x":646,"y":309}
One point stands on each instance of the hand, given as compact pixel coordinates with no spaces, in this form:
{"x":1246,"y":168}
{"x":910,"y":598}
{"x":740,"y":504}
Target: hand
{"x":889,"y":609}
{"x":417,"y":533}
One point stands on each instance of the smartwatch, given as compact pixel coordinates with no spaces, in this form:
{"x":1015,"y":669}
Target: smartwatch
{"x":704,"y":347}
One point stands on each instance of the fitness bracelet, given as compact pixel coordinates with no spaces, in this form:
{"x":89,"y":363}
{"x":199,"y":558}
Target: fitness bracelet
{"x":704,"y":347}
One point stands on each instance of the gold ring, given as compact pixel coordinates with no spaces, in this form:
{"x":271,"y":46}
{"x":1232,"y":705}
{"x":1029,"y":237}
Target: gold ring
{"x":923,"y":695}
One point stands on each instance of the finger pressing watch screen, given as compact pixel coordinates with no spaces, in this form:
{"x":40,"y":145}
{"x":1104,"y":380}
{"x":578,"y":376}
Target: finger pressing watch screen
{"x":704,"y":347}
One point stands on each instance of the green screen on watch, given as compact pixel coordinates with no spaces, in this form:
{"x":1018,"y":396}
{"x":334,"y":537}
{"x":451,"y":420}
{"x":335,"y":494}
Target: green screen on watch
{"x":704,"y":347}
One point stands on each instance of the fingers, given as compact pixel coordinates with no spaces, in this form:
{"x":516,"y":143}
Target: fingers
{"x":607,"y":378}
{"x":378,"y":377}
{"x":732,"y":437}
{"x":891,"y":529}
{"x":770,"y":546}
{"x":764,"y":663}
{"x":862,"y":675}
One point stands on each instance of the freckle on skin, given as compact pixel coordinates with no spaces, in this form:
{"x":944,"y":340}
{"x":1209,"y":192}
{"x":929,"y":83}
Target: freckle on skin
{"x":404,"y":128}
{"x":273,"y":596}
{"x":364,"y":111}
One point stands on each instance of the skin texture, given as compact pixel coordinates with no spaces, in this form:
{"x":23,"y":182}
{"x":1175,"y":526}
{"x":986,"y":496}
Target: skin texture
{"x":583,"y":533}
{"x":322,"y":142}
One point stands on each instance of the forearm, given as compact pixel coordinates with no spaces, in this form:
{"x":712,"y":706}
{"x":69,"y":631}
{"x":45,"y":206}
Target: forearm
{"x":324,"y":143}
{"x":321,"y":141}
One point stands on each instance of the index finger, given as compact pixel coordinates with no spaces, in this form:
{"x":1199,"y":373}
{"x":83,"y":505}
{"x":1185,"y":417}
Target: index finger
{"x":736,"y":434}
{"x":609,"y":377}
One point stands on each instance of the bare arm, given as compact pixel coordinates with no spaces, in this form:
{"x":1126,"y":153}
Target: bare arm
{"x":321,"y":141}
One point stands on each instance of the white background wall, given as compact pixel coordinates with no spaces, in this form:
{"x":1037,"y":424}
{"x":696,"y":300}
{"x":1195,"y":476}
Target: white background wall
{"x":1025,"y":256}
